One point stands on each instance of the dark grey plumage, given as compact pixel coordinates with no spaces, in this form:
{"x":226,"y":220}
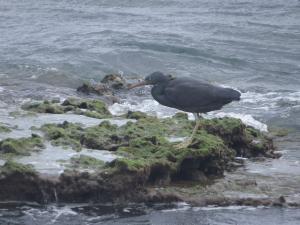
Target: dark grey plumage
{"x":188,"y":94}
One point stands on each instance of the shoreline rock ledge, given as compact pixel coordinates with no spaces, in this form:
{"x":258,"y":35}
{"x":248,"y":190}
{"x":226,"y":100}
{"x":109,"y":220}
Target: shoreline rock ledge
{"x":146,"y":160}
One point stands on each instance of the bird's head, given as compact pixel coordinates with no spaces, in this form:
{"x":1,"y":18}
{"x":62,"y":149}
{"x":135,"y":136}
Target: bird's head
{"x":153,"y":79}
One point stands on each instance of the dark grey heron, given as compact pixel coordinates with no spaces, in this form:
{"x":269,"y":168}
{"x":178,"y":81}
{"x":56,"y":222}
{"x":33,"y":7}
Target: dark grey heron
{"x":189,"y":95}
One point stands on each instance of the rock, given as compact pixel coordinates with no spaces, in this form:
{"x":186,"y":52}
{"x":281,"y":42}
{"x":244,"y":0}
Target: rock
{"x":107,"y":87}
{"x":136,"y":115}
{"x":21,"y":183}
{"x":233,"y":165}
{"x":86,"y":162}
{"x":99,"y":89}
{"x":91,"y":108}
{"x":23,"y":146}
{"x":11,"y":167}
{"x":43,"y":107}
{"x":4,"y":129}
{"x":88,"y":107}
{"x":195,"y":175}
{"x":146,"y":159}
{"x":279,"y":202}
{"x":114,"y":81}
{"x":247,"y":141}
{"x":65,"y":134}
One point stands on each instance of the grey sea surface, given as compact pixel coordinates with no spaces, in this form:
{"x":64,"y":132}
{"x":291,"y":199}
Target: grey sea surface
{"x":49,"y":47}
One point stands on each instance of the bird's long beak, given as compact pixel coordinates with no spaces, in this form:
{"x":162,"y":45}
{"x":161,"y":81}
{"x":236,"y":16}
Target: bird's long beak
{"x":139,"y":84}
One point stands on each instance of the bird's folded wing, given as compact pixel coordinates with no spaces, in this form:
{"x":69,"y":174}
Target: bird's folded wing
{"x":184,"y":95}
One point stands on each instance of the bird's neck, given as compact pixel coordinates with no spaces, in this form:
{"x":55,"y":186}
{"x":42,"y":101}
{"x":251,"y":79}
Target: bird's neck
{"x":158,"y":89}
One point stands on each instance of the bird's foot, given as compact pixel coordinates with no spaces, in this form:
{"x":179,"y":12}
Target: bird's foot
{"x":184,"y":144}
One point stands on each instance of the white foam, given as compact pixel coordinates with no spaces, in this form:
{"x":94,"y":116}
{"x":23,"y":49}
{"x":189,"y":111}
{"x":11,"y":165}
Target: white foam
{"x":234,"y":207}
{"x":181,"y":206}
{"x":61,"y":211}
{"x":149,"y":106}
{"x":269,"y":100}
{"x":24,"y":124}
{"x":2,"y":162}
{"x":154,"y":108}
{"x":49,"y":160}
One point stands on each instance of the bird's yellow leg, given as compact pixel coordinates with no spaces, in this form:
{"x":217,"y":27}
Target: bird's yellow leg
{"x":189,"y":140}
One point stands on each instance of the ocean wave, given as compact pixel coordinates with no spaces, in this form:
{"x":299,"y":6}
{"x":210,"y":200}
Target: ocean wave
{"x":271,"y":100}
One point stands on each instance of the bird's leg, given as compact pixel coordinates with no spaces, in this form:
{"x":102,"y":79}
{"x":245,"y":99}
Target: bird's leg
{"x":189,"y":140}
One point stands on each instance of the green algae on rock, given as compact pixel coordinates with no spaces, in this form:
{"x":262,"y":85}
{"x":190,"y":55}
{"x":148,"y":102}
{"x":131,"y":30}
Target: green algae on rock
{"x":135,"y":115}
{"x":4,"y":129}
{"x":21,"y":182}
{"x":108,"y":85}
{"x":246,"y":141}
{"x":87,"y":107}
{"x":102,"y":137}
{"x":215,"y":145}
{"x":43,"y":107}
{"x":146,"y":159}
{"x":100,"y":89}
{"x":114,"y":81}
{"x":23,"y":146}
{"x":13,"y":167}
{"x":165,"y":163}
{"x":144,"y":148}
{"x":86,"y":162}
{"x":21,"y":113}
{"x":65,"y":134}
{"x":92,"y":105}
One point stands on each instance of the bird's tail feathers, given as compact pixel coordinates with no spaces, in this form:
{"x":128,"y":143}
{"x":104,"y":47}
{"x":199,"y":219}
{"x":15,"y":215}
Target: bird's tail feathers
{"x":234,"y":95}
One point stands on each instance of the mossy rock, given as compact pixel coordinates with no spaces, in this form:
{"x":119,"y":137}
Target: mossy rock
{"x":93,"y":114}
{"x":94,"y":108}
{"x":102,"y":136}
{"x":86,"y":162}
{"x":156,"y":155}
{"x":11,"y":167}
{"x":4,"y":129}
{"x":99,"y":89}
{"x":178,"y":125}
{"x":236,"y":135}
{"x":144,"y":147}
{"x":91,"y":108}
{"x":227,"y":128}
{"x":23,"y":114}
{"x":181,"y":116}
{"x":22,"y":146}
{"x":136,"y":115}
{"x":145,"y":127}
{"x":114,"y":81}
{"x":126,"y":164}
{"x":65,"y":134}
{"x":44,"y":107}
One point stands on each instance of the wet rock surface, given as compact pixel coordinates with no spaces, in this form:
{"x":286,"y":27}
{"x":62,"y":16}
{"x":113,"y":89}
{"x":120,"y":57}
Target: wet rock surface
{"x":148,"y":167}
{"x":88,"y":107}
{"x":4,"y":129}
{"x":23,"y":146}
{"x":108,"y":88}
